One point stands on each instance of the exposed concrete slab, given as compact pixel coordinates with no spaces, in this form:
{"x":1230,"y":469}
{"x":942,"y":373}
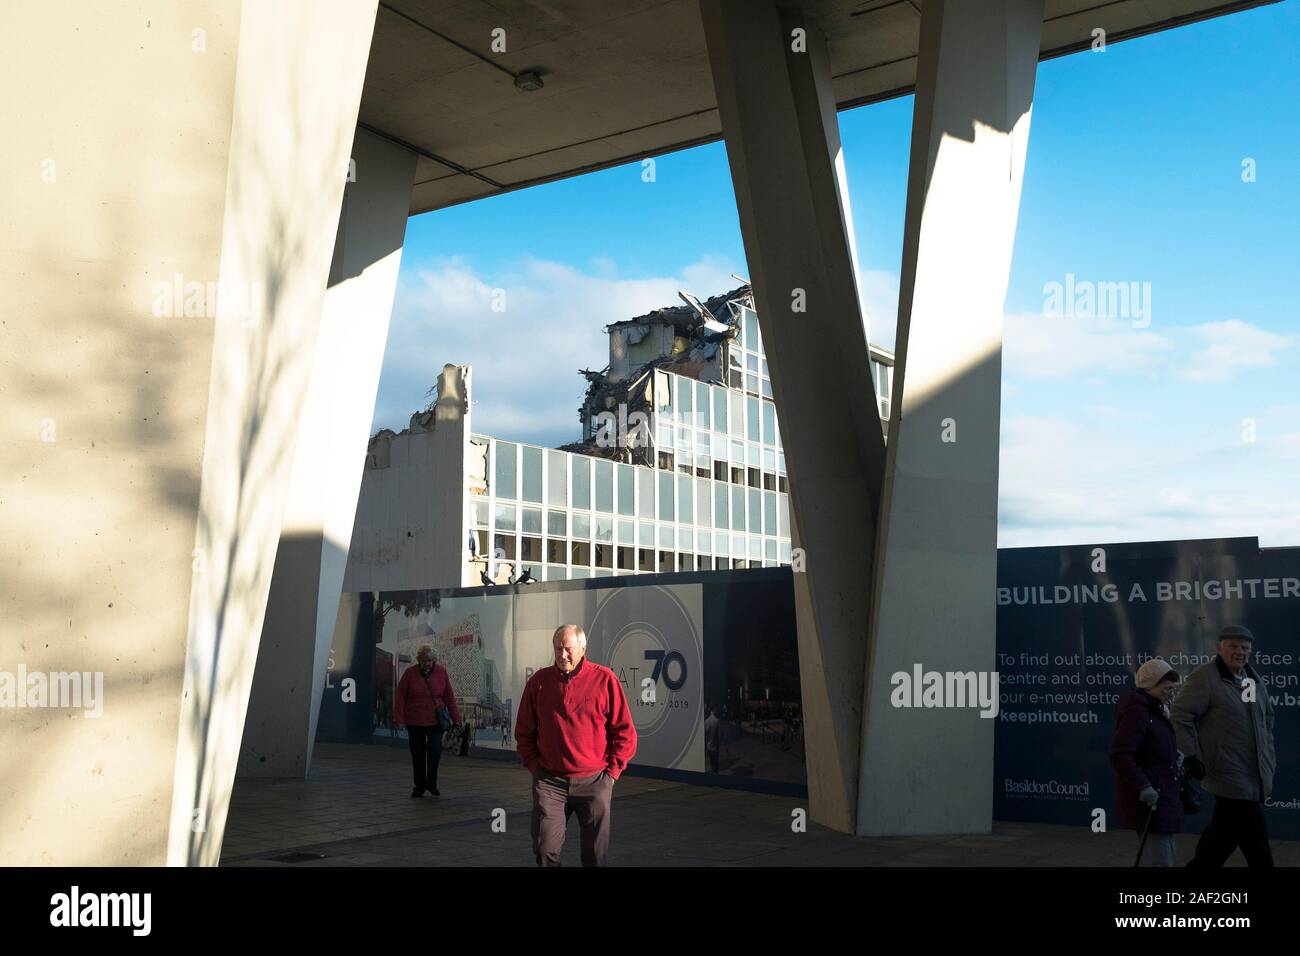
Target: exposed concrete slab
{"x":629,"y":80}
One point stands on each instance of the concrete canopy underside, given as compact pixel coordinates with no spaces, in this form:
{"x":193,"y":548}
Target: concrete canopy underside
{"x":629,"y":80}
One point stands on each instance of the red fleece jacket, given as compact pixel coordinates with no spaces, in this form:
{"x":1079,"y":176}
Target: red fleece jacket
{"x":417,"y":701}
{"x":575,"y":725}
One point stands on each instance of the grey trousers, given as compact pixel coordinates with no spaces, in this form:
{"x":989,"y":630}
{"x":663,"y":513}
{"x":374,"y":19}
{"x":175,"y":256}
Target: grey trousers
{"x":555,"y":799}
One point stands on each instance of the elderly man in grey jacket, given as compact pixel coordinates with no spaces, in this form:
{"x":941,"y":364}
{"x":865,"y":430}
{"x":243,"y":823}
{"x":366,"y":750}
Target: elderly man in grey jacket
{"x":1224,"y":721}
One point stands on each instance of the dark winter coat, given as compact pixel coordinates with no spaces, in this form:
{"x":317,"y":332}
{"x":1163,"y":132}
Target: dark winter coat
{"x":1144,"y":753}
{"x":1233,"y":738}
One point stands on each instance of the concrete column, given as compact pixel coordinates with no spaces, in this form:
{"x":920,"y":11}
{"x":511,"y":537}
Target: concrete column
{"x":297,"y":92}
{"x":329,"y":455}
{"x":177,"y":175}
{"x":772,"y":81}
{"x":931,"y":770}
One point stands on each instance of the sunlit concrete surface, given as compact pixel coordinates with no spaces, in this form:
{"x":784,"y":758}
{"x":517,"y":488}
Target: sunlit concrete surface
{"x":353,"y":810}
{"x":936,"y":555}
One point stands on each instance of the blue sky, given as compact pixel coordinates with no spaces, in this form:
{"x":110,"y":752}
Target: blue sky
{"x":1189,"y":427}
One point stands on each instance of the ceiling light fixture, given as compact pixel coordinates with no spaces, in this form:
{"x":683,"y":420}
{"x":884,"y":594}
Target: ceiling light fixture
{"x":529,"y":81}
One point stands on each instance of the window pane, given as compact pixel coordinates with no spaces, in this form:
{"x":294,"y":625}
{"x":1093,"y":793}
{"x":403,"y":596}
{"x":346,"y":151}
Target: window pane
{"x":736,"y":402}
{"x":481,"y":514}
{"x":753,"y":429}
{"x":604,"y":485}
{"x":666,"y":536}
{"x":626,"y":484}
{"x":582,"y":526}
{"x":557,"y":478}
{"x":532,"y":521}
{"x":532,"y":474}
{"x":666,"y":510}
{"x":702,"y":405}
{"x":721,"y":544}
{"x":706,"y":541}
{"x":719,"y":408}
{"x":581,"y":481}
{"x":646,"y":533}
{"x":769,"y":512}
{"x":755,"y":509}
{"x":702,"y":495}
{"x":627,"y":532}
{"x":646,"y":490}
{"x":769,"y":423}
{"x":719,"y":505}
{"x":738,"y":509}
{"x":557,"y":523}
{"x":506,"y":517}
{"x":504,"y":547}
{"x":507,"y":476}
{"x":604,"y":528}
{"x":686,"y":539}
{"x":685,"y":501}
{"x":685,"y":399}
{"x":664,"y":395}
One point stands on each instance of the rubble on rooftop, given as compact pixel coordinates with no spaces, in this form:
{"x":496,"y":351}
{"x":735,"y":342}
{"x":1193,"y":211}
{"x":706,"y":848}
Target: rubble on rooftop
{"x":690,"y":340}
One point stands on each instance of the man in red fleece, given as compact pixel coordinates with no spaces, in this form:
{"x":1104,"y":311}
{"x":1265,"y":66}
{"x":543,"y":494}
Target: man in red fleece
{"x":575,"y":735}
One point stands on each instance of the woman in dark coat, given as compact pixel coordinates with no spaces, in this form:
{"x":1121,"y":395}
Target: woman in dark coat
{"x":1145,"y":757}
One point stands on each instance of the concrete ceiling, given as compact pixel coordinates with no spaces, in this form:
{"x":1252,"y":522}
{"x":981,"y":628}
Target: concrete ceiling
{"x":629,"y":79}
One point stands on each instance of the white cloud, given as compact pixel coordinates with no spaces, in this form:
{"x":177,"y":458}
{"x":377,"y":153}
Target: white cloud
{"x":525,"y":359}
{"x":1042,"y":347}
{"x":1037,"y":346}
{"x":1229,"y":347}
{"x":1069,"y":481}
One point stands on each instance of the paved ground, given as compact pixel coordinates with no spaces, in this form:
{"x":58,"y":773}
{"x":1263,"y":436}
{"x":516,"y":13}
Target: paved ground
{"x":355,"y":811}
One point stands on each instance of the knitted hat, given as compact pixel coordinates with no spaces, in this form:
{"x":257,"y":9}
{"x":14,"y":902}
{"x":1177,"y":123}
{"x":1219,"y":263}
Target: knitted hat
{"x":1239,"y":631}
{"x":1154,"y":671}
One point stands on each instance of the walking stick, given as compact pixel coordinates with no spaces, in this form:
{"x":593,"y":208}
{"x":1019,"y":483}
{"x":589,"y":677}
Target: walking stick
{"x":1151,"y":812}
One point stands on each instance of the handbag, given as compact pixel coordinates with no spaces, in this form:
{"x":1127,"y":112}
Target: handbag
{"x":443,"y":713}
{"x":1189,"y":792}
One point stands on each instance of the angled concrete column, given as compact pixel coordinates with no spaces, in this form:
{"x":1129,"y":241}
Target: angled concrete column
{"x":295,"y":114}
{"x":329,"y":455}
{"x":772,"y":81}
{"x":930,"y":770}
{"x":168,"y":229}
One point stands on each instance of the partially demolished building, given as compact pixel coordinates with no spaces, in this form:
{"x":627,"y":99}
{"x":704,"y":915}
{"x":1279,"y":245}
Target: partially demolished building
{"x":680,"y":468}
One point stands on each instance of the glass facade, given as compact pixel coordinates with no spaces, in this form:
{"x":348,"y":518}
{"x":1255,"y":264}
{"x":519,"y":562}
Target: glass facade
{"x":588,"y":528}
{"x":717,"y":498}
